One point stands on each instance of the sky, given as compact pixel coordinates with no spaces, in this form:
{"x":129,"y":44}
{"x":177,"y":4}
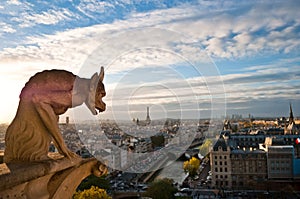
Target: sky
{"x":183,"y":59}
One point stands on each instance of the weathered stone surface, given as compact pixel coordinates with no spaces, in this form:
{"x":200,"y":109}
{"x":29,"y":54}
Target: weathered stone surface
{"x":29,"y":170}
{"x":46,"y":179}
{"x":1,"y":156}
{"x":45,"y":96}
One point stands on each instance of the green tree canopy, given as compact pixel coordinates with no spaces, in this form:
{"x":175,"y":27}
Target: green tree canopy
{"x":93,"y":180}
{"x":161,"y":189}
{"x":158,"y":141}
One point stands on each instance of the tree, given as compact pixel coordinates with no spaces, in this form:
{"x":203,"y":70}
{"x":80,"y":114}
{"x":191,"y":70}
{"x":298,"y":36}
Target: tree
{"x":93,"y":180}
{"x":92,"y":193}
{"x":161,"y":189}
{"x":204,"y":148}
{"x":158,"y":141}
{"x":191,"y":166}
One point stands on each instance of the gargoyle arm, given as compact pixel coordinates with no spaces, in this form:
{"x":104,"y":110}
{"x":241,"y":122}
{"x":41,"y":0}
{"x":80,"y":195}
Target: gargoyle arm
{"x":46,"y":104}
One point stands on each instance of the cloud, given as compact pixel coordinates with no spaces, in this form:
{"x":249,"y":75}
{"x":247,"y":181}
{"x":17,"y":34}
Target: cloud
{"x":94,"y":6}
{"x":14,"y":2}
{"x":13,"y":8}
{"x":6,"y":28}
{"x":273,"y":85}
{"x":242,"y":32}
{"x":48,"y":17}
{"x":188,"y":32}
{"x":225,"y":32}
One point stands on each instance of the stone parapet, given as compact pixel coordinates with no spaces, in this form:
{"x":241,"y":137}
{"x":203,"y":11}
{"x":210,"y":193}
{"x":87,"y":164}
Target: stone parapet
{"x":55,"y":178}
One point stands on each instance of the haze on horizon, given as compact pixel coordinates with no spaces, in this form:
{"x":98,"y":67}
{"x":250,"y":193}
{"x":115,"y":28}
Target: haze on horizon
{"x":186,"y":59}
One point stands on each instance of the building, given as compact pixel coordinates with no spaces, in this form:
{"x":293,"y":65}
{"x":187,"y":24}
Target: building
{"x":235,"y":167}
{"x":248,"y":168}
{"x":143,"y":145}
{"x":247,"y":161}
{"x":292,"y":127}
{"x":280,"y":162}
{"x":221,"y":164}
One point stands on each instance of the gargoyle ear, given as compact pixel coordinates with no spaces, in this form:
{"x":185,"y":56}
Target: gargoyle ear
{"x":94,"y":82}
{"x":101,"y":76}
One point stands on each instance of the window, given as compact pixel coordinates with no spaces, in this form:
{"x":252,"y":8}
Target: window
{"x":226,"y":169}
{"x":216,"y":169}
{"x":216,"y":163}
{"x":225,"y":157}
{"x":221,"y":170}
{"x":220,"y":162}
{"x":220,"y":157}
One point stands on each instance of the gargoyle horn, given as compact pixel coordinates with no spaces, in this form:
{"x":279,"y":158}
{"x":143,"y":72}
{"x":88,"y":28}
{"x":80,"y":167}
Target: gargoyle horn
{"x":101,"y":76}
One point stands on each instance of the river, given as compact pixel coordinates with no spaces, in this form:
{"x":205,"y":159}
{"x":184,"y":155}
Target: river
{"x":174,"y":171}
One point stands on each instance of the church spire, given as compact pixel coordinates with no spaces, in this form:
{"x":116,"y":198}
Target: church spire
{"x":291,"y":119}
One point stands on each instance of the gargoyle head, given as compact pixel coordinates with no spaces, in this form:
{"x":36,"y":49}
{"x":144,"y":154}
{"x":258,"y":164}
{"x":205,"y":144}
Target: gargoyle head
{"x":96,"y":93}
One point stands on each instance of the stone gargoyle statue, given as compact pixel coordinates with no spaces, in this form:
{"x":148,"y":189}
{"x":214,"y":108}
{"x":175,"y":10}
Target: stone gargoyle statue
{"x":45,"y":96}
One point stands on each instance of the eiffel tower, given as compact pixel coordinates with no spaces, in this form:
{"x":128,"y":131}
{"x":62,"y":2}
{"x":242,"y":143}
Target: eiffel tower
{"x":148,"y":120}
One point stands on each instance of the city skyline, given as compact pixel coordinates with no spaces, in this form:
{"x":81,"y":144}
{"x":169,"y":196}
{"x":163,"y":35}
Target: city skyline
{"x":242,"y":58}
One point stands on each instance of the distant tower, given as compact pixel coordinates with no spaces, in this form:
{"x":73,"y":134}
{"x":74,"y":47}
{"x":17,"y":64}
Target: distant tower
{"x":291,"y":128}
{"x":227,"y":125}
{"x":67,"y":120}
{"x":291,"y":119}
{"x":148,"y":120}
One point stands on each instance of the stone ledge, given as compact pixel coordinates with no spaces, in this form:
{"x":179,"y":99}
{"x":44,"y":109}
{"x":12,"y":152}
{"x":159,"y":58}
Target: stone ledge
{"x":55,"y":178}
{"x":15,"y":174}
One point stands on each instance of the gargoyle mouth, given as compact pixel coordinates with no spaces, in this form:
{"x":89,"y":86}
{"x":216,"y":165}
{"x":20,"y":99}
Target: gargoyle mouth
{"x":100,"y":109}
